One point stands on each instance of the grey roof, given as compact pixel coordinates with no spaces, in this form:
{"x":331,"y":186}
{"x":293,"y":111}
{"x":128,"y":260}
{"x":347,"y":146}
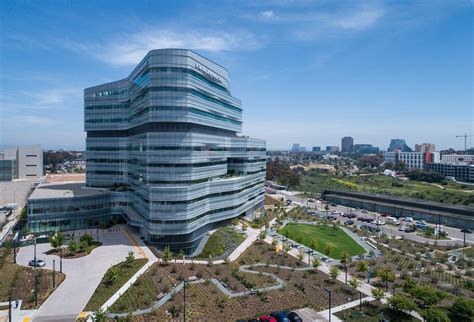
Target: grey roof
{"x":64,"y":190}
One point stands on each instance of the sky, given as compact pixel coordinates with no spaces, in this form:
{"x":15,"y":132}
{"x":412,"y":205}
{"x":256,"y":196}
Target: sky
{"x":308,"y":72}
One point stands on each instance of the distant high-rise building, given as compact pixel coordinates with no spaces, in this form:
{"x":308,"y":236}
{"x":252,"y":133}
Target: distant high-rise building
{"x":24,"y":162}
{"x":425,"y":147}
{"x":316,"y":149}
{"x":398,"y":145}
{"x":295,"y":147}
{"x":298,"y":148}
{"x":332,"y":148}
{"x":347,"y":144}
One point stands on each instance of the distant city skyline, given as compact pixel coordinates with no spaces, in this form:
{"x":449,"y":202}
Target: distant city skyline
{"x":306,"y":72}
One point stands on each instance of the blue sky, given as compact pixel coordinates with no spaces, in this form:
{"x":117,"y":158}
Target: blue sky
{"x":307,"y":71}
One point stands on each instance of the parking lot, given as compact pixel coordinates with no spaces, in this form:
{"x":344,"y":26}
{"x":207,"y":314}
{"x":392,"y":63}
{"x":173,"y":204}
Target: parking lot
{"x":360,"y":217}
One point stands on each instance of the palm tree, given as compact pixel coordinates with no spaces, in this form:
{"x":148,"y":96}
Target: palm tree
{"x":345,"y":259}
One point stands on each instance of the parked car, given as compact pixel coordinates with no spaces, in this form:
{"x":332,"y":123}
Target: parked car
{"x":379,"y":222}
{"x":402,"y":228}
{"x":349,"y":222}
{"x":365,"y":211}
{"x":385,"y":214}
{"x":332,"y":218}
{"x":466,"y":231}
{"x":352,"y":216}
{"x":280,"y":316}
{"x":407,"y":219}
{"x":311,"y":200}
{"x":38,"y":263}
{"x":267,"y":318}
{"x":333,"y":205}
{"x":376,"y":229}
{"x":337,"y":212}
{"x":294,"y":317}
{"x":410,"y":229}
{"x":360,"y":218}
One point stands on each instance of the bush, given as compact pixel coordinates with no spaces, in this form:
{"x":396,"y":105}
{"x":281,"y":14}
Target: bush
{"x":463,"y":308}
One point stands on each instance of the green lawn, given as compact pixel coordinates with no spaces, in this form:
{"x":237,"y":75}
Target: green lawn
{"x":104,"y":291}
{"x":452,"y":193}
{"x":224,"y":239}
{"x":324,"y":235}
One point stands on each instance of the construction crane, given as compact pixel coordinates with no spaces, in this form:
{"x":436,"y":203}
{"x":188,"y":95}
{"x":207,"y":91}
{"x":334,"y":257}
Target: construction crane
{"x":465,"y":136}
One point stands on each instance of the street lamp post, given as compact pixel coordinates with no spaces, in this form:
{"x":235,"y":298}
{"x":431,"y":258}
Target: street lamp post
{"x":368,"y":275}
{"x":54,"y":273}
{"x":360,"y":301}
{"x":184,"y":295}
{"x":329,"y":292}
{"x":61,"y":260}
{"x":345,"y":269}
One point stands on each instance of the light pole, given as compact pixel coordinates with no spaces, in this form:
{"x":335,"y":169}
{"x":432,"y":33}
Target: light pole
{"x":61,"y":260}
{"x":184,"y":295}
{"x":329,"y":292}
{"x":54,"y":273}
{"x":360,"y":301}
{"x":368,"y":275}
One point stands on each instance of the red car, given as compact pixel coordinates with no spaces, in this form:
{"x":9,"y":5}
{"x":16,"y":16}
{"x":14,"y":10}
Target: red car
{"x":385,"y":214}
{"x":267,"y":318}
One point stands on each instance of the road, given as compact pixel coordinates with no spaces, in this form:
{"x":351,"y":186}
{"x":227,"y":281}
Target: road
{"x":82,"y":274}
{"x":454,"y":234}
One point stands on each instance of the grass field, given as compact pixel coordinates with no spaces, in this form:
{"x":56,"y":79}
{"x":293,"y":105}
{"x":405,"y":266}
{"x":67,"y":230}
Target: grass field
{"x":324,"y":236}
{"x":452,"y":193}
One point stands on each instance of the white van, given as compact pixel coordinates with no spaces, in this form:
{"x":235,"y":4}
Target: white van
{"x":392,"y":221}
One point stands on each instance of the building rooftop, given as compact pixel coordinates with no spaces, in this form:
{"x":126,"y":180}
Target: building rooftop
{"x":64,"y":190}
{"x":66,"y":177}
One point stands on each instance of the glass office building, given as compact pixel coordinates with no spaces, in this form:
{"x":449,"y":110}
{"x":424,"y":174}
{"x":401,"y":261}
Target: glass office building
{"x":167,"y":138}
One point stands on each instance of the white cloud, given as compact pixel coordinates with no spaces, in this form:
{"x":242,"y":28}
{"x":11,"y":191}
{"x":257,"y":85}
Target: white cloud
{"x":360,"y":19}
{"x":268,"y":15}
{"x":129,"y":49}
{"x":51,"y":98}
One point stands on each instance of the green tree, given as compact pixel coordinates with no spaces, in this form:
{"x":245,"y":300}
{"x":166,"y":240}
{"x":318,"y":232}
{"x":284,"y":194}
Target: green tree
{"x":314,"y":244}
{"x":110,"y":276}
{"x":433,"y":314}
{"x":286,"y":247}
{"x":262,"y":234}
{"x":334,"y":272}
{"x":326,"y":207}
{"x":328,"y":250}
{"x":167,"y":255}
{"x":300,"y":255}
{"x":463,"y":308}
{"x":73,"y":247}
{"x":99,"y":316}
{"x":57,"y":240}
{"x":354,"y":283}
{"x":316,"y":262}
{"x":129,"y":259}
{"x":386,"y":275}
{"x":427,"y":294}
{"x":378,"y":293}
{"x":401,"y":303}
{"x":345,"y":258}
{"x":362,"y":266}
{"x":86,"y":239}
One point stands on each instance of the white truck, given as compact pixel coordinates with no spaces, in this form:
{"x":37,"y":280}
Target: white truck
{"x":392,"y":221}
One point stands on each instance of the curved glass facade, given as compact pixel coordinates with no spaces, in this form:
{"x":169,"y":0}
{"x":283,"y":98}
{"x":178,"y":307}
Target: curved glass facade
{"x":168,"y":132}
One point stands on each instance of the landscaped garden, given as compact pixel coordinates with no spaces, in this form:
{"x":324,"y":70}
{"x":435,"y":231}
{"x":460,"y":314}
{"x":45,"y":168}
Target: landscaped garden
{"x":75,"y":248}
{"x":115,"y":277}
{"x":221,"y":243}
{"x":204,"y":301}
{"x":19,"y":281}
{"x":329,"y":240}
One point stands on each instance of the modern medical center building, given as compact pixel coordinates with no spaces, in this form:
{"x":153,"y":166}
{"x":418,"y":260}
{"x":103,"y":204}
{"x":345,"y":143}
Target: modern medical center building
{"x":163,"y":152}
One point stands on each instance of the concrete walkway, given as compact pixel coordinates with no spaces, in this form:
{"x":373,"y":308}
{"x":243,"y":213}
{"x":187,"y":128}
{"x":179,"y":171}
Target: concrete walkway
{"x":83,"y":274}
